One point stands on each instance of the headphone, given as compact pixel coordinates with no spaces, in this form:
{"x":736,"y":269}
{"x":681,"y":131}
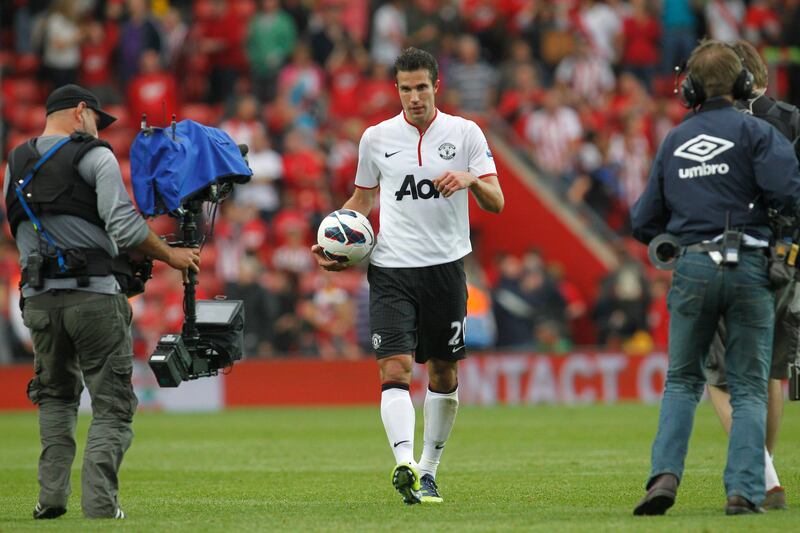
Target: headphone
{"x":692,"y":93}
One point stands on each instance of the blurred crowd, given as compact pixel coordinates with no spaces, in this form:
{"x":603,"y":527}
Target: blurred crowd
{"x":582,"y":87}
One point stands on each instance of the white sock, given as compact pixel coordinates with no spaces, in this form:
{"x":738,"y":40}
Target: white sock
{"x":770,"y":474}
{"x":440,"y":414}
{"x":397,"y":413}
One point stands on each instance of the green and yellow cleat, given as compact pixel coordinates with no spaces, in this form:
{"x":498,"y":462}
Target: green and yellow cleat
{"x":430,"y":492}
{"x":405,"y":479}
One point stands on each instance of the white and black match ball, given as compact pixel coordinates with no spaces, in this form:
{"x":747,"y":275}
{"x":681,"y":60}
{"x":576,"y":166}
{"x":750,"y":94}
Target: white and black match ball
{"x":346,"y":236}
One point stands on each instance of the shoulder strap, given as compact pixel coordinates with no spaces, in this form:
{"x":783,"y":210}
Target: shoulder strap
{"x":791,"y":115}
{"x":778,"y":114}
{"x":21,"y":154}
{"x":21,"y":197}
{"x":88,"y":142}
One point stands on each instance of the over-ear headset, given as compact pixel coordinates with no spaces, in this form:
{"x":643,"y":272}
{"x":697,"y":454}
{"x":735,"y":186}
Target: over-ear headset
{"x":692,"y":93}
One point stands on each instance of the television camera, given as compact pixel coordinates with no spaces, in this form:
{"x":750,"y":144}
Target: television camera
{"x":175,"y":171}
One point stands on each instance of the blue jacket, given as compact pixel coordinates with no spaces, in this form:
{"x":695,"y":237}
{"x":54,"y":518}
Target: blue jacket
{"x":716,"y":161}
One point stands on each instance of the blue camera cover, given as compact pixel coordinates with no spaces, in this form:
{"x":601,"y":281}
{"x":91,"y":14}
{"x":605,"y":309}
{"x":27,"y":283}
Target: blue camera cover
{"x":167,"y":172}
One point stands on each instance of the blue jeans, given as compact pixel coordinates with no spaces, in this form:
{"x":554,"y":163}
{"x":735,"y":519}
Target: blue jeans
{"x":702,"y":293}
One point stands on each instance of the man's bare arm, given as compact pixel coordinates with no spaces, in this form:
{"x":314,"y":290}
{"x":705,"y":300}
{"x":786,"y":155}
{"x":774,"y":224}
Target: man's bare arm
{"x":486,"y":190}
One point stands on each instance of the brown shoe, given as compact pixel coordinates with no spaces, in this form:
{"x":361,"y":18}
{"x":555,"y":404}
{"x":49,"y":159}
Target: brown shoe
{"x":741,"y":505}
{"x":660,"y":496}
{"x":775,"y":499}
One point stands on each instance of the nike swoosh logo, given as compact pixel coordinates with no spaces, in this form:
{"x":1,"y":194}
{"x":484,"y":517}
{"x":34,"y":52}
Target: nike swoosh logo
{"x":387,"y":154}
{"x":457,"y":348}
{"x":439,"y":447}
{"x":396,"y":444}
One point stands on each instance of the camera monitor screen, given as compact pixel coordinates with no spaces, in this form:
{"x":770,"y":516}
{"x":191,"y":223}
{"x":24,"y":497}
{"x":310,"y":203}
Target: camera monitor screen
{"x":217,"y":312}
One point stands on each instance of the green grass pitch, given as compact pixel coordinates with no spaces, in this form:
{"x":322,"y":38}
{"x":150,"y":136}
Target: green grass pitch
{"x":505,"y":469}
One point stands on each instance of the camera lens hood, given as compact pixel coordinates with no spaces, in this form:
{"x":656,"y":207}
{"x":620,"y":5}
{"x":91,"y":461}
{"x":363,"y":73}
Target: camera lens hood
{"x":663,"y":250}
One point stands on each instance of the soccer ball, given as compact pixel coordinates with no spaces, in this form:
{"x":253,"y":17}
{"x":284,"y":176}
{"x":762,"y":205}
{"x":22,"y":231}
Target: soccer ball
{"x":346,"y":236}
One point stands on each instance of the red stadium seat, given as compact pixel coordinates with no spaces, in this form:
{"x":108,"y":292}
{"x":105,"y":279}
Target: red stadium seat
{"x":203,"y":9}
{"x":7,"y":58}
{"x":11,"y":89}
{"x":245,"y":8}
{"x":125,"y":168}
{"x":120,"y":140}
{"x":14,"y":138}
{"x":26,"y":64}
{"x":202,"y":113}
{"x":210,"y":282}
{"x":194,"y":87}
{"x":197,"y":63}
{"x":123,"y":117}
{"x":27,"y":118}
{"x":21,"y":91}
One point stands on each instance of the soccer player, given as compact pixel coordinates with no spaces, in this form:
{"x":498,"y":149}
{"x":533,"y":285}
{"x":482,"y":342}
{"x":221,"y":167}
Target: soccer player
{"x":423,"y":162}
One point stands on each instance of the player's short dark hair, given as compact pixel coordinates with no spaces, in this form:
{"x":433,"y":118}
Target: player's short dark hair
{"x":715,"y":66}
{"x":752,"y":62}
{"x":412,"y":59}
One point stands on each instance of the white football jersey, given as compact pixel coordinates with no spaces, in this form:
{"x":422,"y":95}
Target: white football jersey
{"x":418,"y":225}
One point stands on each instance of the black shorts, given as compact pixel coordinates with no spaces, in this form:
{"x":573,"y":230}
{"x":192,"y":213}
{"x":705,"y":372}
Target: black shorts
{"x":785,"y":344}
{"x":419,"y":311}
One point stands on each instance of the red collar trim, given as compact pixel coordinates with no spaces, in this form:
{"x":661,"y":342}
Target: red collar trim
{"x":422,"y":132}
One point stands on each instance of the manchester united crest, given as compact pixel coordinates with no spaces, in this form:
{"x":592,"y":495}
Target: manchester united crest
{"x":447,"y":151}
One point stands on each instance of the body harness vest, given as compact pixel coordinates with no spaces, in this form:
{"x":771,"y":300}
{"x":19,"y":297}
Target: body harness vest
{"x":58,"y":188}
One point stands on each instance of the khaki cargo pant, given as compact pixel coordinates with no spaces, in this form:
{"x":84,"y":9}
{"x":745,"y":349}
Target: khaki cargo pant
{"x":78,"y":333}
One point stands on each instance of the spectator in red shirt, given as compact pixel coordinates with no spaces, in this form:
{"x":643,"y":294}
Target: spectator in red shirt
{"x":343,"y":159}
{"x":331,"y":313}
{"x":245,"y":125}
{"x":761,"y":24}
{"x":521,"y":99}
{"x":239,"y":232}
{"x":222,"y":37}
{"x":483,"y":20}
{"x":304,"y":172}
{"x":293,"y":256}
{"x":96,"y":54}
{"x":153,"y":91}
{"x":520,"y":55}
{"x":111,"y":25}
{"x":344,"y":68}
{"x":641,"y":39}
{"x":378,"y":96}
{"x":554,"y":133}
{"x":290,"y":217}
{"x":629,"y":98}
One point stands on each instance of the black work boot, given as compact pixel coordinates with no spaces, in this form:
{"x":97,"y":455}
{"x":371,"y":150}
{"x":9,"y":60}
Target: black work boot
{"x":660,"y":496}
{"x":741,"y":505}
{"x":40,"y":512}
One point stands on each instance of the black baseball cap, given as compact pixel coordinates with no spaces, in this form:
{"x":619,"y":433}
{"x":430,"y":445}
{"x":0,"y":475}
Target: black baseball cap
{"x":69,"y":96}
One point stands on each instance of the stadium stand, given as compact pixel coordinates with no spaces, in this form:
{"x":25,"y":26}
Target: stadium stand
{"x":580,"y":90}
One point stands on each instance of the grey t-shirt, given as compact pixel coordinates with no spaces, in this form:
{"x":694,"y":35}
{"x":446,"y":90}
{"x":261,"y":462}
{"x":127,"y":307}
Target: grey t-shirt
{"x":124,"y":227}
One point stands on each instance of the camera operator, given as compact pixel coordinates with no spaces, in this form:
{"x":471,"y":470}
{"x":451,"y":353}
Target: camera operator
{"x":714,"y":176}
{"x":786,"y":118}
{"x":70,"y":214}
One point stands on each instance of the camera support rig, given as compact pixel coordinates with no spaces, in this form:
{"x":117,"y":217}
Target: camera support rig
{"x":211,"y":337}
{"x":191,"y":239}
